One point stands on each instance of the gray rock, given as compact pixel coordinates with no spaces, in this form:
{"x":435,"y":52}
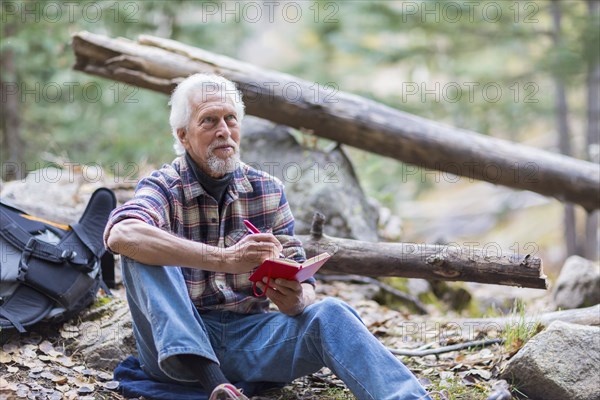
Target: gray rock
{"x":315,"y":180}
{"x":56,"y":194}
{"x":560,"y":363}
{"x":105,"y":335}
{"x":578,"y":284}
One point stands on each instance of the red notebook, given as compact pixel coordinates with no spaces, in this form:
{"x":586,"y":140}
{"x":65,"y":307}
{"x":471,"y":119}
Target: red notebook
{"x":288,"y":269}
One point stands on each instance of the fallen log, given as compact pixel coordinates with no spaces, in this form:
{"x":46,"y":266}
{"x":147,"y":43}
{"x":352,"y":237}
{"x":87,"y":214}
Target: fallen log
{"x":159,"y":64}
{"x":426,"y":261}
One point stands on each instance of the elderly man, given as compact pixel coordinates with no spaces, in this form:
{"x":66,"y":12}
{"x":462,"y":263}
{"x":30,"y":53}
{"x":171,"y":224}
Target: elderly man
{"x":187,"y":257}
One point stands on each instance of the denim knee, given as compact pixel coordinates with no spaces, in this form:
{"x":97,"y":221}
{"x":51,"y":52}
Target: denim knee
{"x":332,"y":305}
{"x":331,"y":311}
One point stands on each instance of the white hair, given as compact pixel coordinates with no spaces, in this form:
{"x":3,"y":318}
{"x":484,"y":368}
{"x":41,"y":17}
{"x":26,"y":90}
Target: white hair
{"x":206,"y":85}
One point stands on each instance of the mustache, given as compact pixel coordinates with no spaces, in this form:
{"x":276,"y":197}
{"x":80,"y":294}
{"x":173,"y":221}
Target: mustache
{"x":224,"y":142}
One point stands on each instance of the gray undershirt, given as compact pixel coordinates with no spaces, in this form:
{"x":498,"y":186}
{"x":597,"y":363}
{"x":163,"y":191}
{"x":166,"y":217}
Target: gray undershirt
{"x":216,"y":187}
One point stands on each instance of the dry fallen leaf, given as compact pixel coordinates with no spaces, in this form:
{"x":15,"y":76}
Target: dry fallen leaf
{"x":85,"y":389}
{"x":29,"y":352}
{"x":48,"y":375}
{"x":66,"y":361}
{"x":486,"y":354}
{"x":22,"y":390}
{"x":478,"y":372}
{"x":78,"y":382}
{"x":60,"y":380}
{"x":447,"y":375}
{"x":55,"y":396}
{"x":104,"y":376}
{"x":63,"y":388}
{"x":63,"y":370}
{"x":457,"y":367}
{"x":31,"y":363}
{"x":111,"y":385}
{"x":5,"y":358}
{"x":46,"y":347}
{"x":71,"y":395}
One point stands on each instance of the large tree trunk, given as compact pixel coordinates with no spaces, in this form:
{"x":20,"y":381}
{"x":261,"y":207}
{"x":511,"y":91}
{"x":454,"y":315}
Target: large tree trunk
{"x":13,"y":148}
{"x":593,"y":131}
{"x":564,"y":142}
{"x":410,"y":260}
{"x":159,"y":64}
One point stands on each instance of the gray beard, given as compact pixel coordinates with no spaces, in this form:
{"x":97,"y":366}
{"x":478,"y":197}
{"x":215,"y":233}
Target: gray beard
{"x":217,"y":165}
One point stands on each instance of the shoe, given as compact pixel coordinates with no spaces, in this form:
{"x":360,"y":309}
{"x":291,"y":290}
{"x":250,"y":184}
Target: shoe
{"x":226,"y":391}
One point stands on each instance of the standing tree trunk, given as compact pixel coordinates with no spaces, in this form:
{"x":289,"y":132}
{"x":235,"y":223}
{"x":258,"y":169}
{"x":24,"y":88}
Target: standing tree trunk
{"x":13,"y":148}
{"x":593,"y":126}
{"x":564,"y":142}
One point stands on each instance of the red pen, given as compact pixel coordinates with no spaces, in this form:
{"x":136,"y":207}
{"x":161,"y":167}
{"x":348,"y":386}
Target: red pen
{"x":254,"y":229}
{"x":251,"y":227}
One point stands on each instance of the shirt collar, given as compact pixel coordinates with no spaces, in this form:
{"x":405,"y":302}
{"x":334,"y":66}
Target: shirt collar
{"x":193,"y":189}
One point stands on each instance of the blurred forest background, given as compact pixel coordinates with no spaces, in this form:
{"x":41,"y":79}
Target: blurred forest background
{"x":526,"y":71}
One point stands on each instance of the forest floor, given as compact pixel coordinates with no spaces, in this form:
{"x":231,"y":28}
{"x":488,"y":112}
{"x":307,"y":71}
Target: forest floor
{"x":37,"y":366}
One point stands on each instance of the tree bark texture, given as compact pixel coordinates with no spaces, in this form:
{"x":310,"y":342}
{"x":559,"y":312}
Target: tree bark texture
{"x":562,"y":122}
{"x":13,"y":147}
{"x":593,"y":133}
{"x":159,"y":64}
{"x":426,"y":261}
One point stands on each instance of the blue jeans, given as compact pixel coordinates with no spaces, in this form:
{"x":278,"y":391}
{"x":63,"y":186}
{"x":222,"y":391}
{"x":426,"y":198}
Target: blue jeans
{"x":270,"y":347}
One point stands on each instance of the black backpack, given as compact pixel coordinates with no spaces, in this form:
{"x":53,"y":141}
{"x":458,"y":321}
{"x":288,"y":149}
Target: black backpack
{"x":50,"y":272}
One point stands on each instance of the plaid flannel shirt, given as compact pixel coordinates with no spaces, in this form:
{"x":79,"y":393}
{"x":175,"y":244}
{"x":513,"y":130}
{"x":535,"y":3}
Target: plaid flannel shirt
{"x":173,"y":200}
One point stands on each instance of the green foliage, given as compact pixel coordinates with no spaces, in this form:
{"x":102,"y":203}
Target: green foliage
{"x":455,"y":389}
{"x":101,"y":301}
{"x":331,"y":393}
{"x":354,"y":46}
{"x":76,"y":116}
{"x":517,"y":333}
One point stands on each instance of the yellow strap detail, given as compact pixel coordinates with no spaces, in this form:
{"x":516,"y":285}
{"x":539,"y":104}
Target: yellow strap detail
{"x":45,"y":221}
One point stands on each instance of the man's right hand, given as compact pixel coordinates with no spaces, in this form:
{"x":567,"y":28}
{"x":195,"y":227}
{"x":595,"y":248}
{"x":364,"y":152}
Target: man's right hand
{"x":250,"y":252}
{"x":153,"y":246}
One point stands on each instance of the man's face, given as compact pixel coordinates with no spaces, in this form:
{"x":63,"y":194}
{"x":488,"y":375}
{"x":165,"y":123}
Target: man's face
{"x":212,"y":136}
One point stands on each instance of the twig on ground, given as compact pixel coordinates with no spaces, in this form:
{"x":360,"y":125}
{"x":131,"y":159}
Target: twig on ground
{"x":446,"y":349}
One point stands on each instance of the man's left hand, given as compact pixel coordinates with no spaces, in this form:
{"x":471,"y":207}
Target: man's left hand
{"x":291,"y":297}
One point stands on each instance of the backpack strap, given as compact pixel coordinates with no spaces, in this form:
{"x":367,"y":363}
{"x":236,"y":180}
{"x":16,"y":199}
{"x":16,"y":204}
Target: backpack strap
{"x":81,"y":233}
{"x":10,"y":317}
{"x":107,"y":265}
{"x":90,"y":229}
{"x":24,"y":307}
{"x":24,"y":241}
